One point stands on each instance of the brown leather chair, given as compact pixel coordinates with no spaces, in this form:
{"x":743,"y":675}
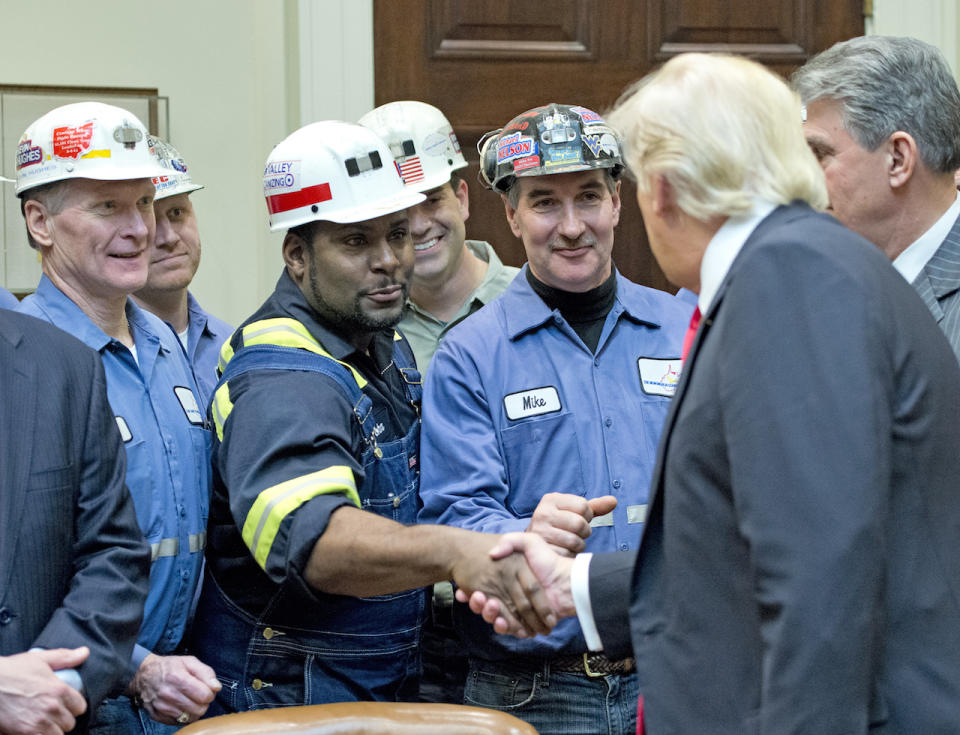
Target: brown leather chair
{"x":365,"y":718}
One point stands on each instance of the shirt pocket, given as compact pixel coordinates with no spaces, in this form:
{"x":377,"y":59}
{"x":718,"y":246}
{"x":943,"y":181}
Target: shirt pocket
{"x":542,"y":456}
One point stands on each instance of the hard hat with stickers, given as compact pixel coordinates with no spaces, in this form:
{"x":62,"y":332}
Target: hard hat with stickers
{"x":89,"y":140}
{"x":177,"y":178}
{"x":424,"y":148}
{"x":550,"y":139}
{"x":333,"y":171}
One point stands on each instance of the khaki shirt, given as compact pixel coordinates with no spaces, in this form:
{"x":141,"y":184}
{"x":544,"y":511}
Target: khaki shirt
{"x":424,"y":331}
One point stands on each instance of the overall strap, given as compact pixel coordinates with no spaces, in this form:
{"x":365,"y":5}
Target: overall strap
{"x":405,"y":362}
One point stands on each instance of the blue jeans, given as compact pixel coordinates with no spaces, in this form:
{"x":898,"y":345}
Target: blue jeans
{"x":118,"y":716}
{"x":556,"y":703}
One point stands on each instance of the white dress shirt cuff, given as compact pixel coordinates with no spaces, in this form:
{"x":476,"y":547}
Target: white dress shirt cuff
{"x":580,"y":589}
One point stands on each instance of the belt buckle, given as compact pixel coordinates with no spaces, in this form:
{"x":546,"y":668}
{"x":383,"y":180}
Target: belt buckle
{"x":586,"y":668}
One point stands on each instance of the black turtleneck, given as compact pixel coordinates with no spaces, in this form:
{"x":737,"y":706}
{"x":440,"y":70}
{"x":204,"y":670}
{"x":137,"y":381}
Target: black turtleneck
{"x":586,"y":312}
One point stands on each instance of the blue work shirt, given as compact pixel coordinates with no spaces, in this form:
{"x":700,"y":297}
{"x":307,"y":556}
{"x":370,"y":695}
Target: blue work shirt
{"x":516,"y":406}
{"x":168,"y":453}
{"x":8,"y":300}
{"x":205,"y":336}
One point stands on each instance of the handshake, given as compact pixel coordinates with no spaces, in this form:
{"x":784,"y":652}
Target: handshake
{"x":522,"y":587}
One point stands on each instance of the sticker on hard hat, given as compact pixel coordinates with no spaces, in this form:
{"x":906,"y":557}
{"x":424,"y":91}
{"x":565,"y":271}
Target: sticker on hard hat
{"x":522,"y":164}
{"x":70,"y":142}
{"x":586,"y":115}
{"x":410,"y":169}
{"x":605,"y":143}
{"x":435,"y":144}
{"x":28,"y":154}
{"x":301,"y":198}
{"x":280,"y":175}
{"x":514,"y":146}
{"x":454,"y":142}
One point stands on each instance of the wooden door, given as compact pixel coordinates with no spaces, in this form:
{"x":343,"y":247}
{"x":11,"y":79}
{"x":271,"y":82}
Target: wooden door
{"x":484,"y":61}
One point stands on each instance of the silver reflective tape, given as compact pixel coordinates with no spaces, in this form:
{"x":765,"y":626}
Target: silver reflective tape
{"x":198,"y":542}
{"x":171,"y":546}
{"x":164,"y":547}
{"x":636,"y":513}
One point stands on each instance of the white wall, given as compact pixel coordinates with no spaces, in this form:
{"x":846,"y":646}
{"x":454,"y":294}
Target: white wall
{"x":933,"y":21}
{"x":222,"y":64}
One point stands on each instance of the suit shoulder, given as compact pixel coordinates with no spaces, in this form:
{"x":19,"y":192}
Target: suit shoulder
{"x":42,"y":337}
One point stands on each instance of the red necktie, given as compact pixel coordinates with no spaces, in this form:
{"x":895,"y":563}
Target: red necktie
{"x":691,"y":331}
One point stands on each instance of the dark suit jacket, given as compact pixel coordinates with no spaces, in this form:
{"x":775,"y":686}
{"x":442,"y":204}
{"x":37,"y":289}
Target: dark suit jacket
{"x":73,"y":562}
{"x":939,"y":286}
{"x":799,"y":571}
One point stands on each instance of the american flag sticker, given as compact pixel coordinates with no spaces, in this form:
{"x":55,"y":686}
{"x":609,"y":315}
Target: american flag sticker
{"x":410,"y":169}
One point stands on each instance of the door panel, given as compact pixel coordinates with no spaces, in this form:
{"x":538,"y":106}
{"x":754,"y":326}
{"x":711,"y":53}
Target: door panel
{"x":484,"y":61}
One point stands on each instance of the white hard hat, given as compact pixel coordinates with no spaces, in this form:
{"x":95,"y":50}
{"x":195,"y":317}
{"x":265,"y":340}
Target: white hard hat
{"x":421,"y":140}
{"x":177,"y":179}
{"x":88,"y":140}
{"x":333,"y":171}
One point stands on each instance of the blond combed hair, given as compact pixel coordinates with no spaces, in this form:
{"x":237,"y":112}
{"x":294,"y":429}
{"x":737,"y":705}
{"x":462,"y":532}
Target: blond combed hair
{"x":722,"y":130}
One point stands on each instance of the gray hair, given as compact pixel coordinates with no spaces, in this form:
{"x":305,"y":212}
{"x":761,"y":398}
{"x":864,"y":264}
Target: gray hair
{"x":886,"y":84}
{"x":722,"y":130}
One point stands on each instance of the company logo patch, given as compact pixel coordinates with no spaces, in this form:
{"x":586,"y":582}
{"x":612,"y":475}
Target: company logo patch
{"x":28,"y":154}
{"x":71,"y":142}
{"x":659,"y":377}
{"x":532,"y":402}
{"x":514,"y":146}
{"x":188,"y":402}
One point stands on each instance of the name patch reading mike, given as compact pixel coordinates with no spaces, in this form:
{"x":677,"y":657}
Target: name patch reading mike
{"x":532,"y":402}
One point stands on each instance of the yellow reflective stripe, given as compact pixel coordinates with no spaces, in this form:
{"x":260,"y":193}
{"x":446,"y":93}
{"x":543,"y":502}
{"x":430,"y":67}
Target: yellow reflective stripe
{"x":221,"y":408}
{"x":226,"y":355}
{"x":276,"y":503}
{"x":286,"y":332}
{"x":396,"y":336}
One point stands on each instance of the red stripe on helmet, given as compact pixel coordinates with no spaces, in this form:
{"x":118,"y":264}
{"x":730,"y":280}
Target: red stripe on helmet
{"x":296,"y":199}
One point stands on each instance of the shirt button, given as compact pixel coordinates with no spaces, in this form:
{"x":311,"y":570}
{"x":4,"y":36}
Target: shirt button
{"x":257,"y":684}
{"x":624,"y":547}
{"x":268,"y":633}
{"x":616,"y":483}
{"x":396,"y":502}
{"x":5,"y":616}
{"x":557,"y":320}
{"x":596,"y":362}
{"x":608,"y":421}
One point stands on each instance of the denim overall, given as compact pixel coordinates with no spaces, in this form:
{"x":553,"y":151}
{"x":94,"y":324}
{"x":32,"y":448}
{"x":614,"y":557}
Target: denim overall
{"x":332,"y":648}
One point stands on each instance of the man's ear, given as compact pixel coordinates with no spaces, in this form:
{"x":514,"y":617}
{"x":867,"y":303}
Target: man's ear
{"x":462,"y":193}
{"x":39,"y":222}
{"x":664,"y":198}
{"x":295,"y":256}
{"x":511,"y":215}
{"x":902,"y":158}
{"x":615,"y":197}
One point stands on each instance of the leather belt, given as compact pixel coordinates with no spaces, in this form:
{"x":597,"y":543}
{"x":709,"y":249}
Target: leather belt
{"x":592,"y":664}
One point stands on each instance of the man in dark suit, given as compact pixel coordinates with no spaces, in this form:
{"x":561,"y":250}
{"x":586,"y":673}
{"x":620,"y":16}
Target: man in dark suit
{"x":883,"y":119}
{"x":798,"y":572}
{"x":73,"y":562}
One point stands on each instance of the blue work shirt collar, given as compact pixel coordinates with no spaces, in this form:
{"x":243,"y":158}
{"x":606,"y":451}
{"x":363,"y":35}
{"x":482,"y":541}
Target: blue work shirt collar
{"x":69,"y":317}
{"x":526,"y":312}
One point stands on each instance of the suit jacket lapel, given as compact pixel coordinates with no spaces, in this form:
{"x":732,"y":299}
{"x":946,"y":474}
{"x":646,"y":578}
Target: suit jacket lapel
{"x":17,"y":420}
{"x":940,"y":277}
